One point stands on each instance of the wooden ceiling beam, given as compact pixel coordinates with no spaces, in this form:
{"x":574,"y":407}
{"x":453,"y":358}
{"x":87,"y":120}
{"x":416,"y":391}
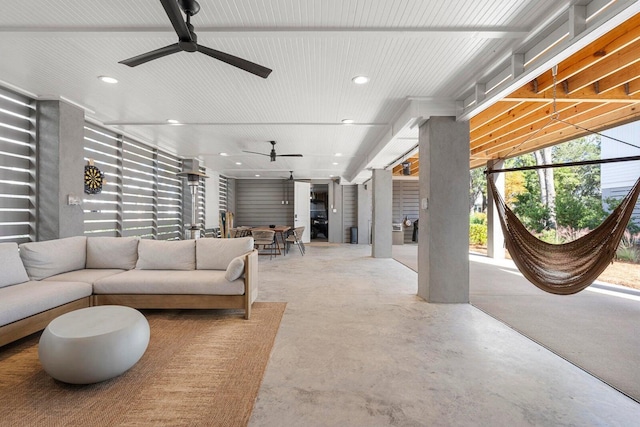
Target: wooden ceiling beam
{"x":560,"y":132}
{"x":619,"y":78}
{"x":606,"y":67}
{"x":520,"y":112}
{"x":529,"y":132}
{"x":521,"y":126}
{"x":608,"y":44}
{"x":491,"y":113}
{"x":586,"y":94}
{"x":634,"y":86}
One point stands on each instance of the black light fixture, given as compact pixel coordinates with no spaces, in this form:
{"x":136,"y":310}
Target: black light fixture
{"x":406,"y":168}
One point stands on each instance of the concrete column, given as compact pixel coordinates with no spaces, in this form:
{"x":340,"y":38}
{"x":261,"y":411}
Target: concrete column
{"x":336,"y":228}
{"x":495,"y":236}
{"x":443,"y":240}
{"x":364,"y":214}
{"x":382,"y":213}
{"x":60,"y":183}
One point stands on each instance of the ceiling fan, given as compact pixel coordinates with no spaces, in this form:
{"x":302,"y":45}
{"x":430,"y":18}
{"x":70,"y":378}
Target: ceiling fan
{"x":188,"y":41}
{"x":272,"y":155}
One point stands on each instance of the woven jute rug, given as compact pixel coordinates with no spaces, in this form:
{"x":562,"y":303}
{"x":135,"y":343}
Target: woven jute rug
{"x":202,"y":368}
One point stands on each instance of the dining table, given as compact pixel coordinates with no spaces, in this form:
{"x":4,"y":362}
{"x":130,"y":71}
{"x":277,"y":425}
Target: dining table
{"x":280,"y":232}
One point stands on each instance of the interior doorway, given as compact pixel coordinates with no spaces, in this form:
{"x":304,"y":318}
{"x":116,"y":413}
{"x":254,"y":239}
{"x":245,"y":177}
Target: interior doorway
{"x":319,"y":214}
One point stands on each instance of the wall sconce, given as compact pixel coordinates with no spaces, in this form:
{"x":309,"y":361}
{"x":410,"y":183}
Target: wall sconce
{"x":406,"y":168}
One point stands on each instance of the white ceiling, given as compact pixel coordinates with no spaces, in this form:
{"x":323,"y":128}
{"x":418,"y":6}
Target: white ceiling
{"x":423,"y":58}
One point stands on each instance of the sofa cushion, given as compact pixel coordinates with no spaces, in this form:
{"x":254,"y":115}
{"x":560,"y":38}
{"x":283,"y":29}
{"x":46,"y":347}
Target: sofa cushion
{"x":235,"y":269}
{"x":112,"y":252}
{"x":216,"y":254}
{"x":51,"y":257}
{"x":11,"y":269}
{"x":166,"y":255}
{"x":89,"y":275}
{"x":169,"y":282}
{"x":26,"y":299}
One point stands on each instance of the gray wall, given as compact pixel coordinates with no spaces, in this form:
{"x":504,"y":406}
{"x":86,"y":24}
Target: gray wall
{"x":364,"y":214}
{"x":406,"y":204}
{"x":382,"y":214}
{"x":259,"y":202}
{"x":336,"y":229}
{"x":60,"y":163}
{"x":349,"y":210}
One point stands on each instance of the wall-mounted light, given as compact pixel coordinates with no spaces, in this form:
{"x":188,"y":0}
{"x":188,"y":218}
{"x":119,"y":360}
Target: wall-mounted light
{"x":406,"y":168}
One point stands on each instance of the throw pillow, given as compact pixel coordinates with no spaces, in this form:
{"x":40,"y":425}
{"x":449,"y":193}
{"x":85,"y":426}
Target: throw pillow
{"x":216,"y":254}
{"x":13,"y":271}
{"x":48,"y":258}
{"x":112,"y":252}
{"x":235,"y":269}
{"x":166,"y":255}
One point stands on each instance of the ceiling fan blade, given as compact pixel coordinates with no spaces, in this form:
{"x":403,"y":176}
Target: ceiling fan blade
{"x":289,"y":155}
{"x":243,"y":64}
{"x":253,"y":152}
{"x":175,"y":16}
{"x":150,"y":56}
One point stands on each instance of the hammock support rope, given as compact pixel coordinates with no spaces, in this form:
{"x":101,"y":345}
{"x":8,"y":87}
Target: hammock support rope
{"x":567,"y":268}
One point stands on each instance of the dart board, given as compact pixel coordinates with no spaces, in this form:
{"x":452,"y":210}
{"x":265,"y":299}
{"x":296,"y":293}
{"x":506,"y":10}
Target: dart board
{"x":93,"y":179}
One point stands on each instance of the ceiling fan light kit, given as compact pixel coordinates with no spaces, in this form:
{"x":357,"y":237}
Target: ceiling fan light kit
{"x":188,"y":41}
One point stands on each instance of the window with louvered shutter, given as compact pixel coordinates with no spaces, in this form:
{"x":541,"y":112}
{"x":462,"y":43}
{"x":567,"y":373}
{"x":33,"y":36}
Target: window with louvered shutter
{"x":17,"y":168}
{"x":102,"y":211}
{"x":139,"y":190}
{"x":169,"y":197}
{"x":142,"y":195}
{"x":222,"y":193}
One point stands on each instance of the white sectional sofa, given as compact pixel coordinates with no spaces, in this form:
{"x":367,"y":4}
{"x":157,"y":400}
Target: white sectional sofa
{"x":41,"y":280}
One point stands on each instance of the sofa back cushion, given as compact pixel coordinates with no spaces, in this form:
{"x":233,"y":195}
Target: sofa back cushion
{"x":112,"y":252}
{"x":166,"y":255}
{"x":216,"y":254}
{"x":11,"y":269}
{"x":51,"y":257}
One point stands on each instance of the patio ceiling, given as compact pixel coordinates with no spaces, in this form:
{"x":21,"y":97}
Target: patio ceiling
{"x":596,"y":88}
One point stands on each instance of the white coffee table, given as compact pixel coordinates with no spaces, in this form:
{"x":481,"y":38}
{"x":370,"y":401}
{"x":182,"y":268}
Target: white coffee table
{"x":93,"y":344}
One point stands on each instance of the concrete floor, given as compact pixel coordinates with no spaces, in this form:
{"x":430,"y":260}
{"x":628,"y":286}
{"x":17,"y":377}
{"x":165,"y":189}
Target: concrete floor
{"x":357,"y":347}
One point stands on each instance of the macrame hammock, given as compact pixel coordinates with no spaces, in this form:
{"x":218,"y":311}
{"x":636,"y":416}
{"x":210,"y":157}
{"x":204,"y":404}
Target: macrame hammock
{"x":566,"y":268}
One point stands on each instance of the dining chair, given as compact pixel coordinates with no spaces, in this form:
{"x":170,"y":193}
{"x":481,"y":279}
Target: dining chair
{"x":295,"y":238}
{"x":266,"y":239}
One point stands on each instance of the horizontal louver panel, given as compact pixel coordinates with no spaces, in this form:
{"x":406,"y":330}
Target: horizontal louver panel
{"x":17,"y":168}
{"x":169,"y":195}
{"x":101,"y":211}
{"x":138,"y":190}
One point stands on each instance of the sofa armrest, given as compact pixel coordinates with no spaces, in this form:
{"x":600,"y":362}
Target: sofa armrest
{"x":250,"y":280}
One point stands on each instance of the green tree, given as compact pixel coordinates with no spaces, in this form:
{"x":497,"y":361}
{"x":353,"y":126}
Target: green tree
{"x":579,"y":198}
{"x":477,"y":186}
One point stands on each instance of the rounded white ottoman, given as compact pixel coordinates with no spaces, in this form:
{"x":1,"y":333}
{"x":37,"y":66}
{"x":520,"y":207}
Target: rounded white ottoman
{"x":93,"y":344}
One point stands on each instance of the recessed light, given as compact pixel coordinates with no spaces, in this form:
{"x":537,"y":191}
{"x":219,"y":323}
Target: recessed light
{"x":338,"y":154}
{"x":360,"y":80}
{"x":347,"y":121}
{"x":238,"y":163}
{"x":257,"y":175}
{"x":335,"y":163}
{"x":173,"y":122}
{"x":108,"y":79}
{"x":330,"y":176}
{"x":224,"y":154}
